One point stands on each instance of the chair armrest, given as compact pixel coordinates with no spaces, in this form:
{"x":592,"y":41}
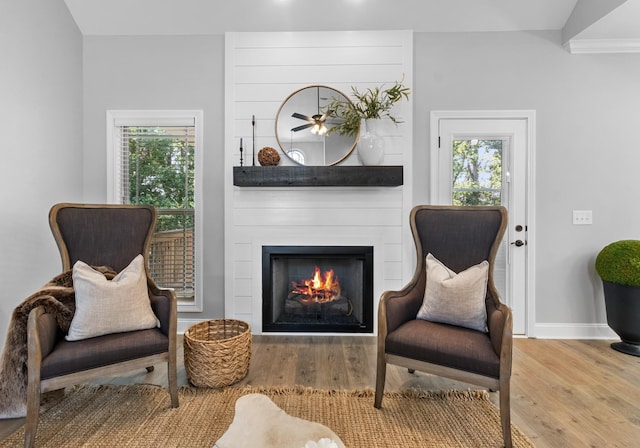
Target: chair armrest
{"x":500,"y":325}
{"x":42,"y":333}
{"x":398,"y":307}
{"x":164,"y":304}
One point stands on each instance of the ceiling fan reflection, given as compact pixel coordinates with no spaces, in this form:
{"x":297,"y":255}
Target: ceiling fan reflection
{"x":315,"y":122}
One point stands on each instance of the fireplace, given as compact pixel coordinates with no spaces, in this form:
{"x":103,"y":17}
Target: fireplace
{"x":317,"y":289}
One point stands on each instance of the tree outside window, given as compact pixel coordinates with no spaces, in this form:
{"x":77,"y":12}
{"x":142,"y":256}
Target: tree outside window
{"x":159,"y":170}
{"x":477,"y":172}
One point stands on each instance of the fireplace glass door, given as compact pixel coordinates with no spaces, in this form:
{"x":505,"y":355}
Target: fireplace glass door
{"x":317,"y":289}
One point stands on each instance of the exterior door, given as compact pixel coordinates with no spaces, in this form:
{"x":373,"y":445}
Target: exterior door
{"x":484,"y":161}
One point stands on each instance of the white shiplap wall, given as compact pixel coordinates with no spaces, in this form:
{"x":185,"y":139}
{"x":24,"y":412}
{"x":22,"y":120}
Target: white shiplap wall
{"x":261,"y":70}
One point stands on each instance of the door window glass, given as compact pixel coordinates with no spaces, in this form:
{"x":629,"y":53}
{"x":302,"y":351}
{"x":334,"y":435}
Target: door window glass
{"x":477,"y":172}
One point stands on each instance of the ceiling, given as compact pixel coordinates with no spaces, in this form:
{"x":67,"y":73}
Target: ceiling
{"x":588,"y":20}
{"x":622,"y":23}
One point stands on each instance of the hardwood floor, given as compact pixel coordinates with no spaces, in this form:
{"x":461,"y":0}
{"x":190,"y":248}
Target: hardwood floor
{"x":564,"y":393}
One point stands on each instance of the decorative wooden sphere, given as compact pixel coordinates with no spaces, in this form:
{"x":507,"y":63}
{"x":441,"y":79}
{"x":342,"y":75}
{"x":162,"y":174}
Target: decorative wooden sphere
{"x":268,"y":156}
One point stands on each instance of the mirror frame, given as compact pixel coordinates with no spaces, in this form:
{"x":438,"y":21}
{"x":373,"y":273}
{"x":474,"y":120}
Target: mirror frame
{"x":348,"y":151}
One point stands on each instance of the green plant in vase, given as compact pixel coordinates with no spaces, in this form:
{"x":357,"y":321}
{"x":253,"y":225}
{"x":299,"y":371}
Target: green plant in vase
{"x":373,"y":103}
{"x":619,"y":262}
{"x":618,"y":265}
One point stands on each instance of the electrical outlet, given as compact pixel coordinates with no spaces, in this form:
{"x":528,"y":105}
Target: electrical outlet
{"x":582,"y":217}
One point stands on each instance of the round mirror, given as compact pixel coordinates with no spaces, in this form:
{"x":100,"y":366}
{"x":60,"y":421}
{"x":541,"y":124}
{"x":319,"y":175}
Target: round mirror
{"x":303,"y":128}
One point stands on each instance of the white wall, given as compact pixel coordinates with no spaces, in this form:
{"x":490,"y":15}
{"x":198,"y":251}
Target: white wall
{"x":41,"y":143}
{"x":588,"y":151}
{"x":262,"y":70}
{"x":184,"y":72}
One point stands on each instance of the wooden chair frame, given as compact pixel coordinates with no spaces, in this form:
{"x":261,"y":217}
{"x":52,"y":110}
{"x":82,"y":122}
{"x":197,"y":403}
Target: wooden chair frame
{"x":36,"y":386}
{"x":415,"y":288}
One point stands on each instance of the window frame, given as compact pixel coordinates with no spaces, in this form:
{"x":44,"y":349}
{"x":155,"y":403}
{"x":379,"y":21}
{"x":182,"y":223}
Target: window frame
{"x":117,"y":118}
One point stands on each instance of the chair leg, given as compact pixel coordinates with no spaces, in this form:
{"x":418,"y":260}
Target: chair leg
{"x":33,"y":412}
{"x":381,"y":375}
{"x":505,"y":413}
{"x":173,"y":381}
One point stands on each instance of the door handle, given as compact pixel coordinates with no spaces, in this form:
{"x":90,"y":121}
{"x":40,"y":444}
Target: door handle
{"x":519,"y":243}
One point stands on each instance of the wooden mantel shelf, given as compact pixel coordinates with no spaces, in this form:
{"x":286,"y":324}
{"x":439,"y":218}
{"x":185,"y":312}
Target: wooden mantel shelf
{"x":318,"y":176}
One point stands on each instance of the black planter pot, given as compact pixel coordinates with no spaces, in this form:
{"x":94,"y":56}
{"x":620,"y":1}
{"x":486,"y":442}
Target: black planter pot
{"x":623,"y":315}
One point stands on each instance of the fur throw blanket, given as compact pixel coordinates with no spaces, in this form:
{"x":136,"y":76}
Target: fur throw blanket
{"x":58,"y":299}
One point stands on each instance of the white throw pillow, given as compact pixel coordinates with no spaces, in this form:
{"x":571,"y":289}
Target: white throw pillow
{"x":456,"y":299}
{"x":110,"y":306}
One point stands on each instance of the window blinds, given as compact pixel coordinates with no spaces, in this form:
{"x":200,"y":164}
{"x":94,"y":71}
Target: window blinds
{"x":157,"y":168}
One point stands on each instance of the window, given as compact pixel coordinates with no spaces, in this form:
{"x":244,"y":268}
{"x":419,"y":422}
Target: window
{"x":154,"y":159}
{"x":477,"y":172}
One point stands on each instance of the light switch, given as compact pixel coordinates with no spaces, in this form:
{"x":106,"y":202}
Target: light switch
{"x":582,"y":217}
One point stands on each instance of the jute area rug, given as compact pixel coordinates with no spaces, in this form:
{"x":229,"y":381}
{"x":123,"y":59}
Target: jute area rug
{"x":141,"y":416}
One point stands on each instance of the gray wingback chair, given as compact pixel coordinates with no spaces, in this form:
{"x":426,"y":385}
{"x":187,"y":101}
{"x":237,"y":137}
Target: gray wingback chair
{"x":99,"y":235}
{"x":459,"y":237}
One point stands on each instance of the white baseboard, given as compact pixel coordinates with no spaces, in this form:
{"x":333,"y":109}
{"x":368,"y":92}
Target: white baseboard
{"x":543,"y":331}
{"x":183,"y":324}
{"x":574,"y":331}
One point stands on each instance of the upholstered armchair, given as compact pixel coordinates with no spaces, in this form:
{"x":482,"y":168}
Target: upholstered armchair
{"x":460,"y":238}
{"x":100,"y":235}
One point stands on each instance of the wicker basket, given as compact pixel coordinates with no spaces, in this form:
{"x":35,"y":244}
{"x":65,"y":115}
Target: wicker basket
{"x":217,"y":352}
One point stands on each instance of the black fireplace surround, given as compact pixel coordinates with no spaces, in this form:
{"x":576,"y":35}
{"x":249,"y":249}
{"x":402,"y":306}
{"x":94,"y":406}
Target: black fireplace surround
{"x":292,"y":302}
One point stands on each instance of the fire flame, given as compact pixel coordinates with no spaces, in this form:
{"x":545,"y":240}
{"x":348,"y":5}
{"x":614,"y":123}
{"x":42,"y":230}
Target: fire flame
{"x":318,"y":289}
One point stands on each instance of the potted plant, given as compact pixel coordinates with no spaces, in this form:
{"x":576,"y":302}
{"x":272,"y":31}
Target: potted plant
{"x":373,"y":103}
{"x":618,"y":265}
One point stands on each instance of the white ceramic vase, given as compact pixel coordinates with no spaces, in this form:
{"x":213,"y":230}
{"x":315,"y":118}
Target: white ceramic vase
{"x":370,"y":145}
